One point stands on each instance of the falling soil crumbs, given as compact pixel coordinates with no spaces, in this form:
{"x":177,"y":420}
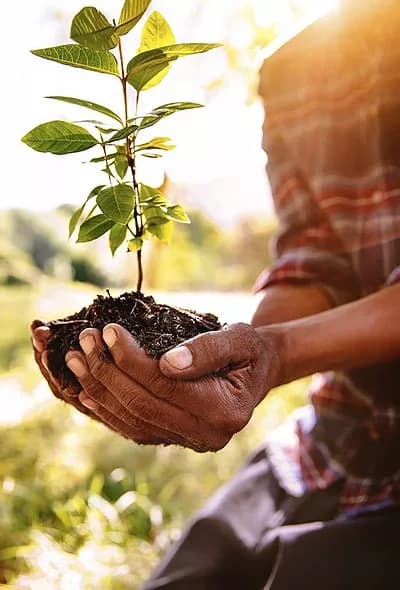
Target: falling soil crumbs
{"x":156,"y":327}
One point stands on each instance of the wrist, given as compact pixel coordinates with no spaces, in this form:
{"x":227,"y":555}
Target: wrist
{"x":297,"y":346}
{"x":275,"y":343}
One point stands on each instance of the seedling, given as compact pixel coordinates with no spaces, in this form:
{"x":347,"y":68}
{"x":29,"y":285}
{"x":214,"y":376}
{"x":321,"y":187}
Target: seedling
{"x":123,"y":207}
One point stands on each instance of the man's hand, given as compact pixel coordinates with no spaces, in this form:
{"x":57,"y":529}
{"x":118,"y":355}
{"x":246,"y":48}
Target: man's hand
{"x":72,"y":395}
{"x":198,"y":395}
{"x":40,"y":335}
{"x":202,"y":392}
{"x":200,"y":406}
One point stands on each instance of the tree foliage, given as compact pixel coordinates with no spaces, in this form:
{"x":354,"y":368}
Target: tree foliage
{"x":124,"y":208}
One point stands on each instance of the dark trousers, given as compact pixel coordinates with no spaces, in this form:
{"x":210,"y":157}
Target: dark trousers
{"x":252,"y":535}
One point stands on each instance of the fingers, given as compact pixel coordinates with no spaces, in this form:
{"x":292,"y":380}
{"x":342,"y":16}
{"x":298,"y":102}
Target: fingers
{"x":130,"y":358}
{"x":41,"y":359}
{"x":108,"y":409}
{"x":127,"y":354}
{"x":68,"y":394}
{"x":114,"y":415}
{"x":40,"y":336}
{"x":36,"y":324}
{"x":111,"y":419}
{"x":137,"y":401}
{"x":210,"y":353}
{"x":198,"y":398}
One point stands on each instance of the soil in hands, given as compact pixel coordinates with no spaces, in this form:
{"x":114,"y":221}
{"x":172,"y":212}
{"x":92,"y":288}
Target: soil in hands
{"x":156,"y":327}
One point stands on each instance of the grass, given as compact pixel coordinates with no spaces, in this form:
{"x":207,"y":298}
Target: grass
{"x":16,"y":312}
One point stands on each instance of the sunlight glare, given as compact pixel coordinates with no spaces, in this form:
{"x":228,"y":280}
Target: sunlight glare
{"x":279,"y":13}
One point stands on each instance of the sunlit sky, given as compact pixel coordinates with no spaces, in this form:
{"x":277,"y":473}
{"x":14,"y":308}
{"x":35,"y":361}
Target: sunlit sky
{"x":221,"y":141}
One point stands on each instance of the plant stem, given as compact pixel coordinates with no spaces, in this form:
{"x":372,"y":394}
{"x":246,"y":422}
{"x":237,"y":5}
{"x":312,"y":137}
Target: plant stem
{"x":139,"y":263}
{"x":140,"y":270}
{"x":130,"y":154}
{"x":103,"y":146}
{"x":132,"y":165}
{"x":123,"y":80}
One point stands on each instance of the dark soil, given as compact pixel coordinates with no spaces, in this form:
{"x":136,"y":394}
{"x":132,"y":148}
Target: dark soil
{"x":156,"y":327}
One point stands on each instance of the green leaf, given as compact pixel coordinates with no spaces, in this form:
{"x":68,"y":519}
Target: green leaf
{"x":73,"y":222}
{"x":156,"y":32}
{"x":157,"y":220}
{"x":90,"y":121}
{"x":146,"y":193}
{"x":159,"y":199}
{"x":155,"y":80}
{"x":121,"y":165}
{"x":93,"y":106}
{"x":108,"y":158}
{"x":157,"y":143}
{"x":117,"y":237}
{"x":94,"y":227}
{"x":155,"y":214}
{"x":109,"y":172}
{"x":59,"y":137}
{"x":81,"y":57}
{"x":132,"y":12}
{"x":135,"y":244}
{"x":94,"y":192}
{"x":105,"y":130}
{"x":122,"y":133}
{"x":162,"y":231}
{"x":177,"y":213}
{"x":90,"y":28}
{"x":173,"y":107}
{"x":183,"y":49}
{"x":92,"y":210}
{"x":146,"y":66}
{"x":166,"y":110}
{"x":116,"y":202}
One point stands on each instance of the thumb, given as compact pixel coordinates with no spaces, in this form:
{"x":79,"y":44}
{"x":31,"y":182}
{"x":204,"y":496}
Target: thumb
{"x":209,"y":353}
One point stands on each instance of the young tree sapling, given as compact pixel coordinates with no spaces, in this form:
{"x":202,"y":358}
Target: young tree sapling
{"x":123,"y":207}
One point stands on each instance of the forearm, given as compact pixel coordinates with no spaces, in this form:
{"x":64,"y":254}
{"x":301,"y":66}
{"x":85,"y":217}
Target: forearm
{"x":282,"y":303}
{"x":357,"y":334}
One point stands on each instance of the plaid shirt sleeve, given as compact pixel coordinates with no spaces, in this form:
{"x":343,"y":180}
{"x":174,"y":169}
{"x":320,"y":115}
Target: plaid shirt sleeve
{"x":306,"y":248}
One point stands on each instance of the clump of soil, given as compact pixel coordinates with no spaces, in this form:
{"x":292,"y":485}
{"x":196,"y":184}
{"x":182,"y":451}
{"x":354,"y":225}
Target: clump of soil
{"x":156,"y":327}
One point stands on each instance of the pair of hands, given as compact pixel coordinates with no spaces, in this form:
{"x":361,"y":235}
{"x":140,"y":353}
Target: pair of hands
{"x":197,"y":395}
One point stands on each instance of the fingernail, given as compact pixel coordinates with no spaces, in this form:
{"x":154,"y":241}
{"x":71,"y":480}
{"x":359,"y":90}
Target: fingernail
{"x":87,"y":344}
{"x":180,"y":357}
{"x":76,"y":366}
{"x":109,"y":336}
{"x":89,"y":403}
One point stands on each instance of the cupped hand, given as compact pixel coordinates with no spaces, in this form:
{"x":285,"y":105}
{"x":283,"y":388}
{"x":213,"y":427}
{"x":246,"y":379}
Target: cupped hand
{"x":197,"y":395}
{"x":40,"y":335}
{"x":72,"y":395}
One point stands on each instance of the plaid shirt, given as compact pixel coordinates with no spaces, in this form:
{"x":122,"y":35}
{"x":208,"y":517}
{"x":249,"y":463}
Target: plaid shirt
{"x":332,"y":135}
